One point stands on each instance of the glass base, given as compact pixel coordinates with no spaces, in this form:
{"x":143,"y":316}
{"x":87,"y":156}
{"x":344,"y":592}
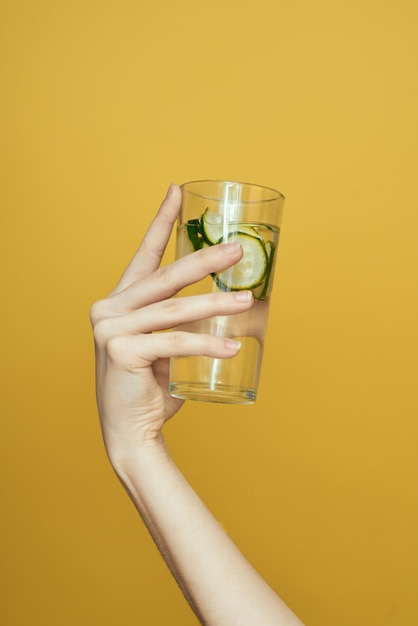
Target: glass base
{"x":222,"y":394}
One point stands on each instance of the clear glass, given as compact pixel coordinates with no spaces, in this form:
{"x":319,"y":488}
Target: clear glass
{"x":213,"y":212}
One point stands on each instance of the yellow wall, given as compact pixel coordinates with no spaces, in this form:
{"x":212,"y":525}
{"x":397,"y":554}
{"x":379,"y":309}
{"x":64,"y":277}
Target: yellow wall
{"x":103,"y":104}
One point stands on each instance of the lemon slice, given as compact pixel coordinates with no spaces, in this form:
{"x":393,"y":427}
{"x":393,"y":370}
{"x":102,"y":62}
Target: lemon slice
{"x":250,"y":271}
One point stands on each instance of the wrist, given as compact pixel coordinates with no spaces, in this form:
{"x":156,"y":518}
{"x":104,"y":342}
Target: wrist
{"x":139,"y":469}
{"x":128,"y":450}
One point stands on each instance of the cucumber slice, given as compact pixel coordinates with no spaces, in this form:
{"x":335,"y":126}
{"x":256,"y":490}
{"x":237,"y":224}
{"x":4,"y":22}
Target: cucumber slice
{"x":263,"y":290}
{"x":193,"y":232}
{"x":213,"y":227}
{"x":271,"y":251}
{"x":250,"y":271}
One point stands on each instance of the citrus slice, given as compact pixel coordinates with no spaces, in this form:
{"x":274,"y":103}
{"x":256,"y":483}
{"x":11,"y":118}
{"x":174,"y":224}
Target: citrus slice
{"x":214,"y":227}
{"x":250,"y":271}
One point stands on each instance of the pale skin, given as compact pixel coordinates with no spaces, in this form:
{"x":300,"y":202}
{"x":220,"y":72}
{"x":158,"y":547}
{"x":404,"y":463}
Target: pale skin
{"x":221,"y":586}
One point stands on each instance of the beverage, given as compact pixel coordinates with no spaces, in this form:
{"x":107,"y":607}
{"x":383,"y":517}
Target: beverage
{"x":214,"y":212}
{"x":199,"y":376}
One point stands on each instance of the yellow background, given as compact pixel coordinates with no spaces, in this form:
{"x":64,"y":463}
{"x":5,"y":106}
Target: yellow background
{"x":103,"y":104}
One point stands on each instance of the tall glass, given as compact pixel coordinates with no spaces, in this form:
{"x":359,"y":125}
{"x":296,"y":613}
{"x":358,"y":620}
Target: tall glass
{"x":214,"y":212}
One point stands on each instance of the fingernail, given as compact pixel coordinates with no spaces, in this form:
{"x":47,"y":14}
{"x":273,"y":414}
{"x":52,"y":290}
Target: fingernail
{"x":243,"y":296}
{"x":230,"y":344}
{"x":231,"y":248}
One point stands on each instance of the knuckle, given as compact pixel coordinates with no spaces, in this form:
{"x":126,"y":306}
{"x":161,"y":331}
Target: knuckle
{"x":223,"y":303}
{"x":172,"y":306}
{"x":123,"y":356}
{"x":97,"y":311}
{"x":176,"y":338}
{"x":221,"y":298}
{"x":116,"y":349}
{"x":164,"y":275}
{"x":212,"y":258}
{"x":102,"y":331}
{"x":207,"y":254}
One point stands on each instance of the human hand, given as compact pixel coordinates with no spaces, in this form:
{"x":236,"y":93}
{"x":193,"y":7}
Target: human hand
{"x":132,"y":357}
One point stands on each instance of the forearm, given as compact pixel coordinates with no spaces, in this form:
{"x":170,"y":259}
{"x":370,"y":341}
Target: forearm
{"x":220,"y":584}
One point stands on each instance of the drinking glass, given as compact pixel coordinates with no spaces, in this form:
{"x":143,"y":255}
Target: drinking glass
{"x":214,"y":212}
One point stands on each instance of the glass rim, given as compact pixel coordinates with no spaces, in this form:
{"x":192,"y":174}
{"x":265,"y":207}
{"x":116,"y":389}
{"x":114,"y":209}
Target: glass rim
{"x":278,"y":195}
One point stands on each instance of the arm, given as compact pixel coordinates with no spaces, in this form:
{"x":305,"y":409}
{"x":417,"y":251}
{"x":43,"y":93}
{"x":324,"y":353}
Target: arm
{"x":221,"y":586}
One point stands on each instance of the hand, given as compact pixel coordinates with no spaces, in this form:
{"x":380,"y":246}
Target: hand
{"x":132,"y":358}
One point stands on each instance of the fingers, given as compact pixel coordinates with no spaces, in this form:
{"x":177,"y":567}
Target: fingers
{"x":149,"y":255}
{"x":133,"y":353}
{"x":174,"y":312}
{"x":170,"y":279}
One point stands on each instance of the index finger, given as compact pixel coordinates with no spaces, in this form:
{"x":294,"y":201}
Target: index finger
{"x":149,"y":254}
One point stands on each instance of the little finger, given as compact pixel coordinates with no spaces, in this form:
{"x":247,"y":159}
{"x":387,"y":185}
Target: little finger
{"x":136,"y":352}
